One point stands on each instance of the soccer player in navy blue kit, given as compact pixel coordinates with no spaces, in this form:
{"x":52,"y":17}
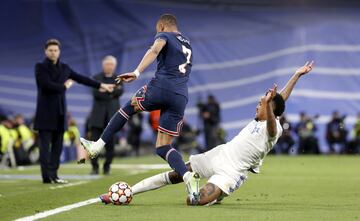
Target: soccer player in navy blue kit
{"x":168,"y":92}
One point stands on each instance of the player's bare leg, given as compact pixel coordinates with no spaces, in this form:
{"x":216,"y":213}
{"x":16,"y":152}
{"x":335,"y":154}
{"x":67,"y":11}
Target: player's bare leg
{"x":209,"y":195}
{"x":152,"y":183}
{"x":157,"y":181}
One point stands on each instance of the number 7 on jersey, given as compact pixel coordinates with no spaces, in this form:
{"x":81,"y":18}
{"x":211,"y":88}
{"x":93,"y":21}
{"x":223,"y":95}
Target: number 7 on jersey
{"x":187,"y":53}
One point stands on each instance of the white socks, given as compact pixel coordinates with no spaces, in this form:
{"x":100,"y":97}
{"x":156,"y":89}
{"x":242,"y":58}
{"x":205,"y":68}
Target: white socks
{"x":151,"y":183}
{"x":98,"y":145}
{"x":187,"y":176}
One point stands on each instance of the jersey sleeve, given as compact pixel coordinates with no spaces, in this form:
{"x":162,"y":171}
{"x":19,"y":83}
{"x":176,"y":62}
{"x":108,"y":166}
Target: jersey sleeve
{"x":161,"y":35}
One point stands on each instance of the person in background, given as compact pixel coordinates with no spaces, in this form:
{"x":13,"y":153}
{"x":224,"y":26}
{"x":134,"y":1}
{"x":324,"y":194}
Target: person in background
{"x":306,"y":128}
{"x":105,"y":105}
{"x":26,"y":135}
{"x":210,"y":114}
{"x":221,"y":135}
{"x":354,"y":144}
{"x":24,"y":140}
{"x":286,"y":141}
{"x":336,"y":133}
{"x":134,"y":133}
{"x":5,"y":142}
{"x":53,"y":79}
{"x":187,"y":141}
{"x":71,"y":139}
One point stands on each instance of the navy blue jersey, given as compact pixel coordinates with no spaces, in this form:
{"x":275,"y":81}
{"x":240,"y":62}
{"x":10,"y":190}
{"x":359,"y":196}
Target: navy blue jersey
{"x":173,"y":63}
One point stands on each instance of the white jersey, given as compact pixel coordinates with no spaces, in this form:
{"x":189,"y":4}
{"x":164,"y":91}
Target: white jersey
{"x":227,"y":165}
{"x":250,"y":146}
{"x":247,"y":149}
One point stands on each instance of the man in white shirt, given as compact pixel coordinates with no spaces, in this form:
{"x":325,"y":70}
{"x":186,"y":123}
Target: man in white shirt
{"x":226,"y":166}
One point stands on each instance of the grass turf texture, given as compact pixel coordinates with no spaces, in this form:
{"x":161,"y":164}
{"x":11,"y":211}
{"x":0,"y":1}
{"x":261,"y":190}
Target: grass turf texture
{"x":288,"y":188}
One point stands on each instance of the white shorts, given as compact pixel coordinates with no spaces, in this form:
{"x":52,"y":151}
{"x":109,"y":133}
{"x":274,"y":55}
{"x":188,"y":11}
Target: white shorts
{"x":208,"y":165}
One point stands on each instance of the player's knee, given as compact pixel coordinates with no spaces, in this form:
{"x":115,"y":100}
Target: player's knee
{"x":128,"y":109}
{"x":135,"y":104}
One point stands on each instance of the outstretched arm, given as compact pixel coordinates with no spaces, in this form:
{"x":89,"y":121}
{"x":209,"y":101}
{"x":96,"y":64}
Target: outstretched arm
{"x":270,"y":117}
{"x":286,"y":91}
{"x":148,"y":58}
{"x":88,"y":82}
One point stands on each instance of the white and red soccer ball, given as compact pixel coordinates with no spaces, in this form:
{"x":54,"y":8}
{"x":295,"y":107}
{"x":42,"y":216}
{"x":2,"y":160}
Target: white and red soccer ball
{"x":120,"y":193}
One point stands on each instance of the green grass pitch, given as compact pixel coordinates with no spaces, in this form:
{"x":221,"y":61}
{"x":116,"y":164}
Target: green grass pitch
{"x":288,"y":188}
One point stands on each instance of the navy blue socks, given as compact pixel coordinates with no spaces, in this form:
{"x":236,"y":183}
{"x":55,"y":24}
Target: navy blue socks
{"x":173,"y":157}
{"x":117,"y":122}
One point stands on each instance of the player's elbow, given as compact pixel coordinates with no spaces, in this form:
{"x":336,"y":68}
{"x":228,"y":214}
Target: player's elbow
{"x":272,"y":133}
{"x":154,"y":51}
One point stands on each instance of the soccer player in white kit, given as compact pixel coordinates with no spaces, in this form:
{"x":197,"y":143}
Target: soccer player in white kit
{"x":226,"y":166}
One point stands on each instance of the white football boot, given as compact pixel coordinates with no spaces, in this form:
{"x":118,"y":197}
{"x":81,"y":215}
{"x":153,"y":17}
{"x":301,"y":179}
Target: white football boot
{"x":193,"y":188}
{"x":88,"y":146}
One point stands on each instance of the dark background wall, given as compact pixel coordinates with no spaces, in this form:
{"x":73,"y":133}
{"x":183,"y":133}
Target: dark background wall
{"x":240,"y":49}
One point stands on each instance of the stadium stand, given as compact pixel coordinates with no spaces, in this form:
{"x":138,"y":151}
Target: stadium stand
{"x":250,"y":48}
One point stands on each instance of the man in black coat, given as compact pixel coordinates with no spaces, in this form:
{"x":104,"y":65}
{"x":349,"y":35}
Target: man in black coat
{"x":105,"y":105}
{"x":210,"y":114}
{"x":53,"y":78}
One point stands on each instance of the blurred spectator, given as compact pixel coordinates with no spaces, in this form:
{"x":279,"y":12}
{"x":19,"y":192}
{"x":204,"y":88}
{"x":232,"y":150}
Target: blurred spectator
{"x":105,"y":105}
{"x":221,"y":135}
{"x":6,"y":142}
{"x":187,"y":141}
{"x":306,"y":128}
{"x":26,"y":135}
{"x":210,"y":114}
{"x":27,"y":140}
{"x":354,"y":144}
{"x":17,"y":142}
{"x":71,"y":140}
{"x":336,"y":133}
{"x":134,"y":133}
{"x":286,"y":141}
{"x":21,"y":155}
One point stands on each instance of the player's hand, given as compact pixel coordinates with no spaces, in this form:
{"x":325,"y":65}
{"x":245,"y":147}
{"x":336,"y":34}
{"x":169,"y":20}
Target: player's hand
{"x":271,"y":94}
{"x":107,"y":87}
{"x":102,"y":90}
{"x":305,"y":69}
{"x":69,"y":83}
{"x":127,"y":77}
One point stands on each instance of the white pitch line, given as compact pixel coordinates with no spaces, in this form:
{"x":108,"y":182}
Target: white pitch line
{"x":59,"y":210}
{"x":114,"y":166}
{"x":126,"y":166}
{"x":136,"y":172}
{"x":144,"y":167}
{"x":68,"y":185}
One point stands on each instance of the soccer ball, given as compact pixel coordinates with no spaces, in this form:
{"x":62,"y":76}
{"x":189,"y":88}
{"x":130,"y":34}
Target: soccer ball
{"x":120,"y":193}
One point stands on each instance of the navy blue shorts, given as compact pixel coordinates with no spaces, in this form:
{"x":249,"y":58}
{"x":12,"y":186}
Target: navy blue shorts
{"x":172,"y":106}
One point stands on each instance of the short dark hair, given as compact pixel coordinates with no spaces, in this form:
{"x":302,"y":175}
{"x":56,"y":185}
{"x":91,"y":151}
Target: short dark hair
{"x":279,"y":104}
{"x":168,"y":19}
{"x":52,"y":41}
